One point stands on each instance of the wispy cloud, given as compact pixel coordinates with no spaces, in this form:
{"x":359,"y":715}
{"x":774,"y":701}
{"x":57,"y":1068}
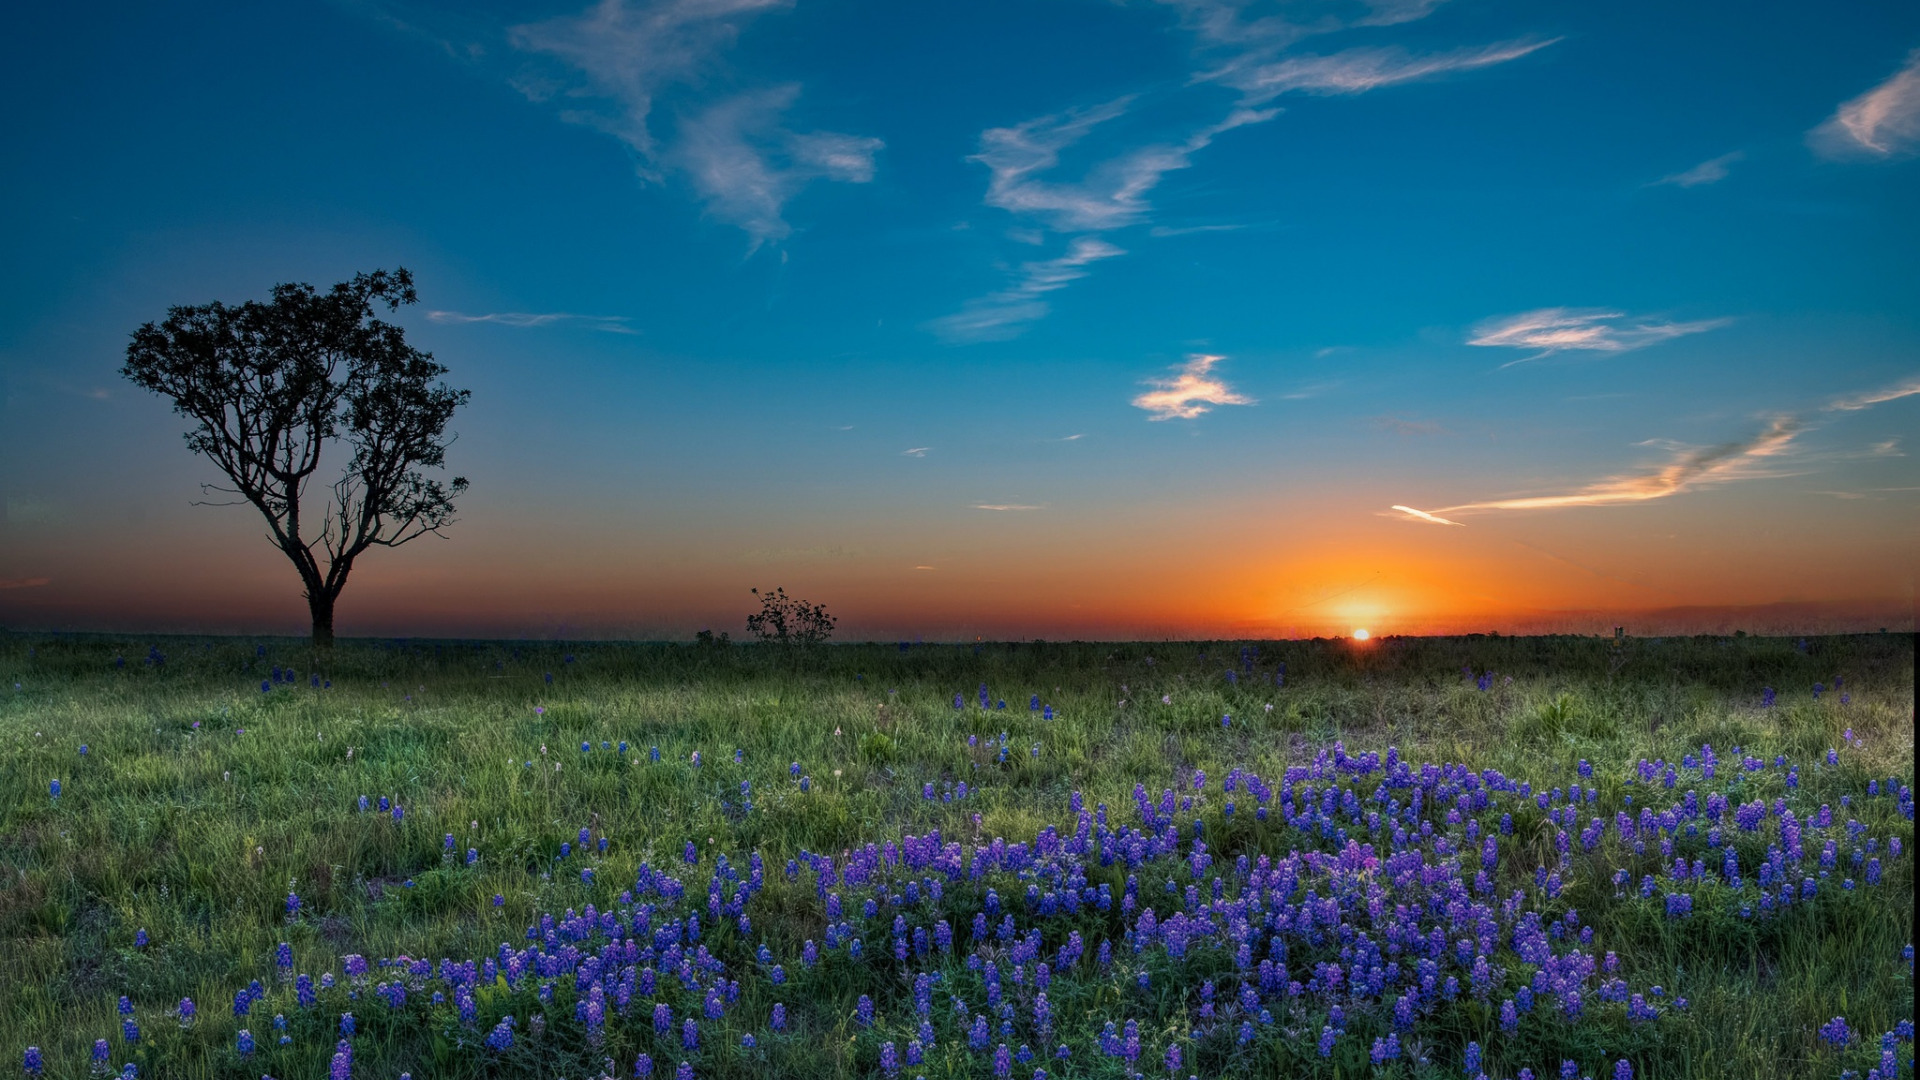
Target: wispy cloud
{"x":1245,"y":53}
{"x":1881,"y":123}
{"x":1224,"y":23}
{"x":1001,"y":315}
{"x":24,"y":583}
{"x":1559,"y":329}
{"x":1688,"y":468}
{"x":1707,"y":172}
{"x":1763,"y":455}
{"x":1071,"y":438}
{"x":746,"y":166}
{"x":1006,"y":507}
{"x":620,"y":57}
{"x":1855,"y":402}
{"x":1162,"y":231}
{"x":612,"y":324}
{"x":917,"y":451}
{"x":1356,"y":71}
{"x":628,"y":53}
{"x":1190,"y":392}
{"x":1112,"y":194}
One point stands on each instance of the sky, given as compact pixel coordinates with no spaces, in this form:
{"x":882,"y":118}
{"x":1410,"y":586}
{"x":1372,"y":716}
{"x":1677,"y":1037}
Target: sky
{"x":1048,"y":318}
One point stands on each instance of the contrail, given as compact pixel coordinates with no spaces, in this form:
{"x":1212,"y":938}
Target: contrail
{"x":1424,"y":516}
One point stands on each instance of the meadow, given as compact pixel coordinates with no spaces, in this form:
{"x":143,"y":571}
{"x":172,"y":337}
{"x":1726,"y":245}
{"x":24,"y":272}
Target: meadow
{"x":1413,"y":857}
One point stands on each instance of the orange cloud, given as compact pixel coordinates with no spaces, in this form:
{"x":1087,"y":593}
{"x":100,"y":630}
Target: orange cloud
{"x":1689,"y":468}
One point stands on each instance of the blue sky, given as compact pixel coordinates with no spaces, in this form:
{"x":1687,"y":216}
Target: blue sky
{"x":1121,"y":317}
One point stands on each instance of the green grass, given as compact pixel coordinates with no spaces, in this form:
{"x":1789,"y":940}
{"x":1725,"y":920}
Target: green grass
{"x":202,"y":802}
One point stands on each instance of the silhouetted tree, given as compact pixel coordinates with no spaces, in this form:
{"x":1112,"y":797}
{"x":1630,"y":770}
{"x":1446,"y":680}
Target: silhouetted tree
{"x":782,"y":620}
{"x":270,"y":384}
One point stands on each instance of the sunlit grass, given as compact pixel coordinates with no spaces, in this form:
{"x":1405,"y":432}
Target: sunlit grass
{"x":202,"y":802}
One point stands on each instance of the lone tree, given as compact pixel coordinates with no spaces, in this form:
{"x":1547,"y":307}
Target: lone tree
{"x":782,"y":620}
{"x":270,"y":384}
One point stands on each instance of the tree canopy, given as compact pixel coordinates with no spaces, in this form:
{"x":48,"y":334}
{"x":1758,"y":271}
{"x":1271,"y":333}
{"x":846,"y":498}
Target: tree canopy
{"x":269,"y":385}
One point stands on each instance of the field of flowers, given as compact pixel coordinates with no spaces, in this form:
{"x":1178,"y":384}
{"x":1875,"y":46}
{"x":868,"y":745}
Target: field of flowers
{"x":1518,"y":858}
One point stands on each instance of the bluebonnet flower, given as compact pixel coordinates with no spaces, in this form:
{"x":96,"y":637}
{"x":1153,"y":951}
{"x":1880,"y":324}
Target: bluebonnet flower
{"x":244,"y":1042}
{"x":34,"y":1065}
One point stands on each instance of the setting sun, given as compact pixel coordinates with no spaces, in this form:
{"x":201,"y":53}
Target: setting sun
{"x":1361,"y":635}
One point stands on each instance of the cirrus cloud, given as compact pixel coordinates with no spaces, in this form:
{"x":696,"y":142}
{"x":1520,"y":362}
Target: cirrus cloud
{"x":1356,"y":71}
{"x":1001,"y":315}
{"x":612,"y":324}
{"x":1856,"y":402}
{"x":616,"y":60}
{"x":1711,"y":171}
{"x":1881,"y":123}
{"x":1560,"y":329}
{"x":1687,"y":468}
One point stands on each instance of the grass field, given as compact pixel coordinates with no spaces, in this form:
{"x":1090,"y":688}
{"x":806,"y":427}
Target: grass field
{"x":1385,"y":863}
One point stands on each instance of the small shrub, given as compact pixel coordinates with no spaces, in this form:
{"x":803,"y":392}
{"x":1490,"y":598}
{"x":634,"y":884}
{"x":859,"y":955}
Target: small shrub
{"x":784,"y":620}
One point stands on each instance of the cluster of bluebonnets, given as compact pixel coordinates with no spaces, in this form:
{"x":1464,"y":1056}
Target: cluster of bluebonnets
{"x":1358,"y":909}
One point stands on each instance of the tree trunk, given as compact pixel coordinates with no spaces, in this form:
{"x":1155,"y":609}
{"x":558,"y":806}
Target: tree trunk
{"x":322,"y":607}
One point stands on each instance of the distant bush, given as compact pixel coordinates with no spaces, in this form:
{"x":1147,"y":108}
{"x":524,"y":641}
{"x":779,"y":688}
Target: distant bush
{"x":783,"y":620}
